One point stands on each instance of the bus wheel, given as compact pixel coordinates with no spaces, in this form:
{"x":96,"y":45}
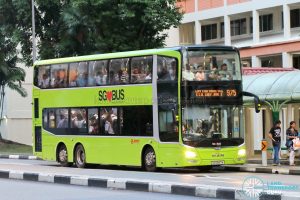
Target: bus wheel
{"x":80,"y":156}
{"x":205,"y":168}
{"x":62,"y":156}
{"x":149,"y":160}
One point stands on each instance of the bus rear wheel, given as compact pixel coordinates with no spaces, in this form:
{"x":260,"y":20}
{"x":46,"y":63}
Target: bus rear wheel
{"x":149,"y":160}
{"x":79,"y":156}
{"x":62,"y":156}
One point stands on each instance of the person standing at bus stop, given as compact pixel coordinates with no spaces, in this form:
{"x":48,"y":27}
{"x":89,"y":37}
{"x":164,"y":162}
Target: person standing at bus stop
{"x":275,"y":136}
{"x":291,"y":134}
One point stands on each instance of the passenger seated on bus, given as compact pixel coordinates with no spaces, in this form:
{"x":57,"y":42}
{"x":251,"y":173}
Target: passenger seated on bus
{"x":44,"y":81}
{"x":148,"y":77}
{"x":142,"y":75}
{"x":60,"y":79}
{"x":82,"y":79}
{"x":91,"y":80}
{"x":200,"y":75}
{"x":73,"y":78}
{"x":93,"y":125}
{"x":63,"y":122}
{"x":214,"y":73}
{"x":122,"y":76}
{"x":187,"y":74}
{"x":163,"y":74}
{"x":108,"y":125}
{"x":224,"y":73}
{"x":79,"y":121}
{"x":100,"y":78}
{"x":112,"y":79}
{"x":135,"y":74}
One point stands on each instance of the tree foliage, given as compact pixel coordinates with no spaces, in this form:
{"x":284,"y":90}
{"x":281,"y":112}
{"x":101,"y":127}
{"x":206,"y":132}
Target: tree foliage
{"x":79,"y":27}
{"x":10,"y":75}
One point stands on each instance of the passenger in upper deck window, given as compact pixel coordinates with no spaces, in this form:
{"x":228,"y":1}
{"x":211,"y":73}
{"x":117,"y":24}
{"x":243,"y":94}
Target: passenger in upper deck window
{"x":187,"y":74}
{"x":214,"y":73}
{"x":44,"y":81}
{"x":122,"y":76}
{"x":60,"y":79}
{"x":82,"y":79}
{"x":135,"y":76}
{"x":148,"y":76}
{"x":112,"y":79}
{"x":224,"y":73}
{"x":163,"y":74}
{"x":73,"y":78}
{"x":200,"y":75}
{"x":100,"y":78}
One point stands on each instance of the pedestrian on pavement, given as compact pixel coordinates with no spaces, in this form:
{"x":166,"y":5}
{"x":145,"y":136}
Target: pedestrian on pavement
{"x":275,"y":136}
{"x":291,"y":134}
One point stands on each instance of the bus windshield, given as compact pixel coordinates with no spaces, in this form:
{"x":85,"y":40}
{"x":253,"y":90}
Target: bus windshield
{"x":209,"y":65}
{"x":201,"y":124}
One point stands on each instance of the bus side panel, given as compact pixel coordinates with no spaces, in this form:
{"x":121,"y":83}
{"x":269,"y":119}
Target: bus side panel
{"x":169,"y":155}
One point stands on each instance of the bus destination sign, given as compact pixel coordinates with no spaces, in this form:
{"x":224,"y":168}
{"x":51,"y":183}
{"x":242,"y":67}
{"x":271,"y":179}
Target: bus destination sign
{"x":216,"y":93}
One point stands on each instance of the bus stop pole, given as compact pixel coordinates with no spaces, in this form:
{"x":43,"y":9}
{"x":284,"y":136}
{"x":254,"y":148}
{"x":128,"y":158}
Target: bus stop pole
{"x":264,"y":146}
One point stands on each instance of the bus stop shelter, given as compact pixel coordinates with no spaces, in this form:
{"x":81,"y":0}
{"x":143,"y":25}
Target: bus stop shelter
{"x":280,"y":96}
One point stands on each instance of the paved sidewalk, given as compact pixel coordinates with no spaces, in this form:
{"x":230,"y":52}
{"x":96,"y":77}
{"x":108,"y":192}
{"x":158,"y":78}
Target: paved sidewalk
{"x":255,"y":165}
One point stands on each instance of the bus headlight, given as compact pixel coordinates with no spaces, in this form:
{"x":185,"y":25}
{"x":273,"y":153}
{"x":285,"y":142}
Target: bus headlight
{"x":242,"y":153}
{"x":190,"y":154}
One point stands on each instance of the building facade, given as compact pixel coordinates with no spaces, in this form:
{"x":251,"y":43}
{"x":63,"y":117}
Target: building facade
{"x":266,"y":32}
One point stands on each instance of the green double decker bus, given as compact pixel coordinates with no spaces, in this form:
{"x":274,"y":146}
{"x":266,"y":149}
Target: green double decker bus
{"x":171,"y":107}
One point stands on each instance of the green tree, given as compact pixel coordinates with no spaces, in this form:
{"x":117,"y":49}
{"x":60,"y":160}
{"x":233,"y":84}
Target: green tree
{"x":10,"y":75}
{"x":79,"y":27}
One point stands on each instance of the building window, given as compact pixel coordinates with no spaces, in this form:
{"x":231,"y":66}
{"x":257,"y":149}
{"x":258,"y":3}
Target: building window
{"x":222,"y":30}
{"x":295,"y":18}
{"x":272,"y":61}
{"x":265,"y":23}
{"x":251,"y":25}
{"x":187,"y":34}
{"x":238,"y":27}
{"x":209,"y":32}
{"x":296,"y":61}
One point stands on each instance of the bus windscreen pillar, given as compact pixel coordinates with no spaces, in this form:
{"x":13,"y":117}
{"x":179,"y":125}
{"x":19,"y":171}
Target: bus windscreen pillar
{"x":264,"y":146}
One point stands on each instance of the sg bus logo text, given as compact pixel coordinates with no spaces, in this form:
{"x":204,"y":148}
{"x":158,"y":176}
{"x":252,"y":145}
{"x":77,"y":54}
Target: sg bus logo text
{"x":111,"y":95}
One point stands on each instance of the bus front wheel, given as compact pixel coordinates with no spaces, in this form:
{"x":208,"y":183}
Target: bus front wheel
{"x":149,"y":160}
{"x":80,"y":156}
{"x":62,"y":156}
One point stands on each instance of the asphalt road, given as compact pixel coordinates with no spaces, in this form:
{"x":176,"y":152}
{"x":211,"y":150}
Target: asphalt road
{"x":25,"y":190}
{"x":188,"y":176}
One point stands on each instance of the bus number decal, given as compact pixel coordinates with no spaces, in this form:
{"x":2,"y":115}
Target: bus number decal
{"x":111,"y":95}
{"x":133,"y":141}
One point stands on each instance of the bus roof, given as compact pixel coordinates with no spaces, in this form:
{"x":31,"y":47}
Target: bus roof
{"x":130,"y":54}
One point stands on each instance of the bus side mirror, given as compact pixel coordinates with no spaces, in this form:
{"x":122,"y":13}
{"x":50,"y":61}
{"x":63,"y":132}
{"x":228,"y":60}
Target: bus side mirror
{"x":257,"y":103}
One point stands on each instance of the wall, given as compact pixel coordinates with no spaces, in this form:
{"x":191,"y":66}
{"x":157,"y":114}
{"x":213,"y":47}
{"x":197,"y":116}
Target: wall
{"x":18,"y":125}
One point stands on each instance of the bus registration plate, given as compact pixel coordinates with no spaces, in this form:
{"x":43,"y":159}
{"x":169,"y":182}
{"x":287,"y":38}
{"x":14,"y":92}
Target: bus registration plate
{"x":218,"y":162}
